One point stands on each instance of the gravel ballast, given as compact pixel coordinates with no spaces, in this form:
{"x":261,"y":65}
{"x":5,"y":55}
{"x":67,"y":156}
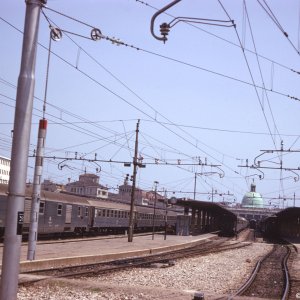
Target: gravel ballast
{"x":214,"y":274}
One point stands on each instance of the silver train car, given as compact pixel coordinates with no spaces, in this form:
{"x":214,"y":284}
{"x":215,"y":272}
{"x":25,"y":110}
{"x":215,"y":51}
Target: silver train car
{"x":62,"y":214}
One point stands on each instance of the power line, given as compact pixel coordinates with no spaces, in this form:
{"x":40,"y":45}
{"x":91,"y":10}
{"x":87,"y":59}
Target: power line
{"x":269,"y":12}
{"x":135,"y":94}
{"x":259,"y":66}
{"x":128,"y":45}
{"x":252,"y":78}
{"x":221,"y":38}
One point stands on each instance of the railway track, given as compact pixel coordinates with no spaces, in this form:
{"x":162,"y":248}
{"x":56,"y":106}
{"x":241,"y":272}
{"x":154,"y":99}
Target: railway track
{"x":270,"y":278}
{"x":162,"y":259}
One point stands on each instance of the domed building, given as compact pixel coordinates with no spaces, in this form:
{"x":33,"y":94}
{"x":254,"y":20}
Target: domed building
{"x":252,"y":199}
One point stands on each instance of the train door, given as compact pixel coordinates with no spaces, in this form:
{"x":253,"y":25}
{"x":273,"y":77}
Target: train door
{"x":68,"y":218}
{"x":91,"y":216}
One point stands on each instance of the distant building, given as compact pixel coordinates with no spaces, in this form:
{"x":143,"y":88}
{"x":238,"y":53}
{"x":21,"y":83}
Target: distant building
{"x":88,"y":185}
{"x":4,"y":169}
{"x":50,"y":186}
{"x":252,"y":199}
{"x":125,"y":191}
{"x":141,"y":197}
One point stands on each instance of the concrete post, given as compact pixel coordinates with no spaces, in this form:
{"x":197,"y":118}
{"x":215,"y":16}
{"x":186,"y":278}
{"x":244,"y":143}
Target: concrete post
{"x":19,"y":155}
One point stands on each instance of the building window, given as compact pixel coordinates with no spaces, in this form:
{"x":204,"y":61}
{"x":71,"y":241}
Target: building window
{"x":86,"y":211}
{"x":59,"y":209}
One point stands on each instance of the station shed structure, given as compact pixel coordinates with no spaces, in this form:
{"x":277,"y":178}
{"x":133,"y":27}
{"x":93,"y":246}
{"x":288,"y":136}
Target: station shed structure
{"x":284,"y":224}
{"x":203,"y":217}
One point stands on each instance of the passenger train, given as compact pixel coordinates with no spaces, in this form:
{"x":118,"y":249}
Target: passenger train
{"x":62,"y":214}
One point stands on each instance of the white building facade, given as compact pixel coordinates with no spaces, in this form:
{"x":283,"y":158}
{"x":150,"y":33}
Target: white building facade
{"x":4,"y":169}
{"x":88,"y":185}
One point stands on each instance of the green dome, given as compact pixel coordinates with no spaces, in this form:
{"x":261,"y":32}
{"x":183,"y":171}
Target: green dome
{"x":252,"y":199}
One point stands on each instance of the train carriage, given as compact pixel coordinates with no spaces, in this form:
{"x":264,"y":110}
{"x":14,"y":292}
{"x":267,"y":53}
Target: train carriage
{"x":109,"y":216}
{"x":59,"y":214}
{"x":62,"y":214}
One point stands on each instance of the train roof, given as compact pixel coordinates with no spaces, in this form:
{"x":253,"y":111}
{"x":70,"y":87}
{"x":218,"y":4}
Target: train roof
{"x":86,"y":201}
{"x":67,"y":198}
{"x":108,"y":204}
{"x":288,"y":212}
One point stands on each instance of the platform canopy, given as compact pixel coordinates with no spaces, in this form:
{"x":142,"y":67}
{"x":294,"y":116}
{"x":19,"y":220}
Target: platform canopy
{"x":289,"y":212}
{"x":213,"y":207}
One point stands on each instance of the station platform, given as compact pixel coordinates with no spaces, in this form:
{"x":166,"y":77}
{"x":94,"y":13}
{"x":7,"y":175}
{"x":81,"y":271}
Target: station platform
{"x":84,"y":251}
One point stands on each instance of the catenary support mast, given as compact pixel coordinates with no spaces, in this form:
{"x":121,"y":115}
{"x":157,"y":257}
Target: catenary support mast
{"x":135,"y":164}
{"x":36,"y":190}
{"x":19,"y":154}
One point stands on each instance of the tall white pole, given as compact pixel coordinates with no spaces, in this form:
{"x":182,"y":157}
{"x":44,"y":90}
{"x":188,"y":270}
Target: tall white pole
{"x":36,"y":191}
{"x":19,"y":155}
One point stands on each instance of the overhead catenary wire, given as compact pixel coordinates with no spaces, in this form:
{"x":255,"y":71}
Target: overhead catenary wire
{"x":260,"y":70}
{"x":250,"y":72}
{"x":121,"y":43}
{"x":272,"y":16}
{"x":280,"y":158}
{"x":223,"y":39}
{"x":164,"y":161}
{"x":252,"y":78}
{"x":134,"y":106}
{"x":134,"y":93}
{"x":63,"y":59}
{"x":177,"y":61}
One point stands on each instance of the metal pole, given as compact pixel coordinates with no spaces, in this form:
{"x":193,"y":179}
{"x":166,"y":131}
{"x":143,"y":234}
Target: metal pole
{"x":166,"y":219}
{"x":154,"y":209}
{"x":131,"y":225}
{"x":294,"y":199}
{"x":195,"y":182}
{"x":19,"y":154}
{"x":35,"y":202}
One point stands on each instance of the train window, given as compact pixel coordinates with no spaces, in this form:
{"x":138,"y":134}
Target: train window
{"x":116,"y":214}
{"x":104,"y":213}
{"x":42,"y":208}
{"x":86,"y":211}
{"x":111,"y":213}
{"x":79,"y":211}
{"x":59,"y":209}
{"x":99,"y":212}
{"x":119,"y":214}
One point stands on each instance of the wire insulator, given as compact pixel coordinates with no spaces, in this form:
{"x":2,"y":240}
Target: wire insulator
{"x":164,"y":30}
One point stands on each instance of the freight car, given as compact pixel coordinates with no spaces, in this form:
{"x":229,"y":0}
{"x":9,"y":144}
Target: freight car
{"x":63,"y":214}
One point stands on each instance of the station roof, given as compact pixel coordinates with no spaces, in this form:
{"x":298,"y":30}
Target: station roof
{"x":289,"y":212}
{"x":213,"y":207}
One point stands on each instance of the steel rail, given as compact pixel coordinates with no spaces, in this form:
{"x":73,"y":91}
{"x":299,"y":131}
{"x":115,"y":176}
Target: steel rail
{"x":255,"y":271}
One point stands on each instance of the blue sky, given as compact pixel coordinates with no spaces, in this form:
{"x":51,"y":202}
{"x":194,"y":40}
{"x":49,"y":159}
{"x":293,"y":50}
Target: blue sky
{"x":194,"y":95}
